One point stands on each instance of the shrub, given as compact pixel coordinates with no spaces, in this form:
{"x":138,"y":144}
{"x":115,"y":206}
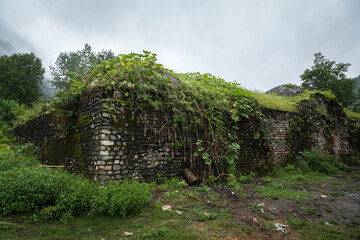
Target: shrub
{"x":121,"y":199}
{"x":6,"y":113}
{"x":25,"y":188}
{"x":316,"y":160}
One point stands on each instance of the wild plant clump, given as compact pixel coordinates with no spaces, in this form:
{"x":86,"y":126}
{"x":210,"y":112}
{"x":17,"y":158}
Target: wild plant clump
{"x":318,"y":161}
{"x":26,"y":188}
{"x":201,"y":109}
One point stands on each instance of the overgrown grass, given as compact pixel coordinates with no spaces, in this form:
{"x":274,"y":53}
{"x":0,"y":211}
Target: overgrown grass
{"x":311,"y":167}
{"x":24,"y":114}
{"x":352,"y":114}
{"x":324,"y":232}
{"x":51,"y":193}
{"x":277,"y":102}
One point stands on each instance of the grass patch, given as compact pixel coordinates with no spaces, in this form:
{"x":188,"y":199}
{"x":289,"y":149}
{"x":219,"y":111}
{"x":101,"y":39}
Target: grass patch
{"x":4,"y":148}
{"x":352,"y":114}
{"x":52,"y":193}
{"x":311,"y":211}
{"x":277,"y":102}
{"x":297,"y":223}
{"x":325,"y":232}
{"x":274,"y":192}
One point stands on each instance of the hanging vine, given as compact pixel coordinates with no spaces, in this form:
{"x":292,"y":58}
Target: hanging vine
{"x":201,"y":111}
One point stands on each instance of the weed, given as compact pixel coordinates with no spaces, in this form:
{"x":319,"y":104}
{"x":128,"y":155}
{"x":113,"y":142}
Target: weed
{"x":328,"y":209}
{"x":268,"y":179}
{"x":267,"y":216}
{"x":169,"y":183}
{"x":232,"y":182}
{"x":155,"y":234}
{"x":25,"y":188}
{"x":336,"y":194}
{"x":271,"y":192}
{"x":296,"y":223}
{"x":311,"y":211}
{"x":255,"y":208}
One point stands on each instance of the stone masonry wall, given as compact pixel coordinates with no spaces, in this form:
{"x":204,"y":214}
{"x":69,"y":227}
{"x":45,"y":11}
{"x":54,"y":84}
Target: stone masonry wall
{"x":278,"y":123}
{"x":117,"y":143}
{"x":261,"y":152}
{"x":38,"y":130}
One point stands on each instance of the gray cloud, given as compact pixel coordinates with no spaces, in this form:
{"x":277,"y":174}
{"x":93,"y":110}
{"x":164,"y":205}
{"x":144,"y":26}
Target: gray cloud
{"x":259,"y":44}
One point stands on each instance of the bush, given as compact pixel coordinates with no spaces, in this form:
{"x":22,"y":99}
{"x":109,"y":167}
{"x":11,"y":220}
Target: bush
{"x":121,"y":199}
{"x":6,"y":113}
{"x":25,"y":188}
{"x":317,"y":160}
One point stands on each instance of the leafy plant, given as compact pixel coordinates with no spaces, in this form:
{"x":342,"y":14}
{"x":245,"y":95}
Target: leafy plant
{"x":317,"y":160}
{"x":193,"y":103}
{"x":25,"y":188}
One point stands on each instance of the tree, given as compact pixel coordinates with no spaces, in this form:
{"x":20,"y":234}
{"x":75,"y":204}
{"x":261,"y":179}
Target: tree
{"x":74,"y":65}
{"x":328,"y":75}
{"x":356,"y":105}
{"x":20,"y":78}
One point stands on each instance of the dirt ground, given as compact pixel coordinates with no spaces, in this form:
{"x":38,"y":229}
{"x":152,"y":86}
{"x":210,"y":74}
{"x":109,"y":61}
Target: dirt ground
{"x":335,"y":202}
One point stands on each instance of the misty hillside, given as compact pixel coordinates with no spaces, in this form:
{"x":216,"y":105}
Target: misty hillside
{"x":12,"y":42}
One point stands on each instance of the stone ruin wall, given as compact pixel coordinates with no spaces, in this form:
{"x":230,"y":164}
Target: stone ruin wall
{"x":117,"y":146}
{"x":125,"y":148}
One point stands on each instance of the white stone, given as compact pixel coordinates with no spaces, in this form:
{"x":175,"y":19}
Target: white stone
{"x":105,"y":131}
{"x":107,"y":143}
{"x":127,"y":234}
{"x":106,"y":168}
{"x":106,"y":157}
{"x":100,"y":163}
{"x":166,"y":207}
{"x":104,"y":153}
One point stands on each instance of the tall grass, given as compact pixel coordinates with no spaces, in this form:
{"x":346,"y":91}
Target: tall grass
{"x":26,"y":188}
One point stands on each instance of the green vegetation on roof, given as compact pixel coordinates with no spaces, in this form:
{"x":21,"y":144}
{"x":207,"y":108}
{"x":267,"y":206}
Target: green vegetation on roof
{"x":277,"y":102}
{"x":352,"y":114}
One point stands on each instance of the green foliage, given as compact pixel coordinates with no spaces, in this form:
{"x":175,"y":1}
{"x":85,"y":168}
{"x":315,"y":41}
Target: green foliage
{"x":277,"y":102}
{"x":156,"y":234}
{"x":328,"y":75}
{"x":311,"y":211}
{"x":194,"y":102}
{"x":14,"y":114}
{"x":75,"y":65}
{"x":353,"y":114}
{"x":20,"y":78}
{"x":23,"y":113}
{"x":283,"y":193}
{"x":317,"y":160}
{"x":6,"y":113}
{"x":121,"y":199}
{"x":297,"y":223}
{"x":255,"y":208}
{"x":25,"y":187}
{"x":167,"y":184}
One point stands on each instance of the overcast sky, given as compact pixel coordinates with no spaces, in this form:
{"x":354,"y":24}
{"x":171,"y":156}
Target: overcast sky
{"x":258,"y":43}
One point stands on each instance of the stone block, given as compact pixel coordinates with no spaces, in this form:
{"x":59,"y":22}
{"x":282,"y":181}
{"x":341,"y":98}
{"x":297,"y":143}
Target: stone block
{"x":104,"y":153}
{"x":105,"y":131}
{"x":116,"y":167}
{"x":107,"y":143}
{"x":100,"y":163}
